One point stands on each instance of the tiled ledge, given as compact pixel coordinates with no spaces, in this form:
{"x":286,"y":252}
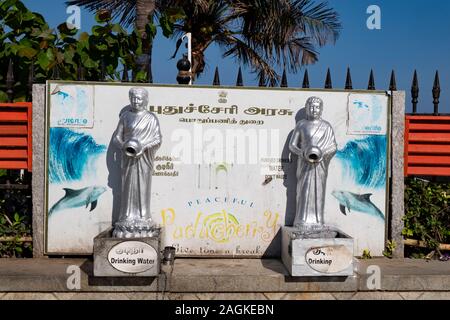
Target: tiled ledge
{"x":198,"y":276}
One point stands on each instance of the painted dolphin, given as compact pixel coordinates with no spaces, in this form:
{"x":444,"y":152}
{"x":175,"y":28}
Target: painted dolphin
{"x":357,"y":202}
{"x":361,"y":105}
{"x":64,"y":95}
{"x":58,"y":92}
{"x":78,"y":198}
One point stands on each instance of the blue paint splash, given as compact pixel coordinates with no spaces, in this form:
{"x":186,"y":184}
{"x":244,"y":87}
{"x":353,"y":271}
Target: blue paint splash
{"x":71,"y":155}
{"x":63,"y":95}
{"x":364,"y":161}
{"x":360,"y":105}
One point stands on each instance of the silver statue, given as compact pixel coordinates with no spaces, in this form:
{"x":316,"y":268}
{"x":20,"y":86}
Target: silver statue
{"x":138,"y":136}
{"x":314,"y":142}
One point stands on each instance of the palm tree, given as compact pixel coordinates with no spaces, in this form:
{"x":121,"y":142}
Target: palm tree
{"x":140,"y":12}
{"x":261,"y":34}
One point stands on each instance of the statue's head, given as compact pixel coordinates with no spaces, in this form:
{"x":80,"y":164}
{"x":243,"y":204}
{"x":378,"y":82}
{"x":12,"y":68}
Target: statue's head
{"x":138,"y":98}
{"x":314,"y":108}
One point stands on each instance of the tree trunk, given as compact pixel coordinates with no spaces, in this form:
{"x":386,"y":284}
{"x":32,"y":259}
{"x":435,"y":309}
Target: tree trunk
{"x":145,"y":10}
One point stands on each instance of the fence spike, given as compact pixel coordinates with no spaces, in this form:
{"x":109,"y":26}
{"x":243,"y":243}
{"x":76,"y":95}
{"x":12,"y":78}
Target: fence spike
{"x":348,"y":80}
{"x":150,"y":73}
{"x":30,"y":81}
{"x":284,"y":83}
{"x":125,"y":77}
{"x":239,"y":81}
{"x":56,"y":75}
{"x":371,"y":85}
{"x":10,"y":81}
{"x":415,"y":92}
{"x":216,"y":81}
{"x":393,"y":82}
{"x":436,"y":93}
{"x":80,"y":73}
{"x":305,"y":84}
{"x":328,"y":82}
{"x":262,"y":80}
{"x":102,"y":70}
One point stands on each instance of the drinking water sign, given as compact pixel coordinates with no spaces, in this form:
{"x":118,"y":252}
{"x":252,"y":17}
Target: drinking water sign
{"x":224,"y":180}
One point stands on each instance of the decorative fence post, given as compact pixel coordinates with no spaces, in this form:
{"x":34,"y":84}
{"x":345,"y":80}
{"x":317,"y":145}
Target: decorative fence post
{"x":239,"y":81}
{"x":415,"y":92}
{"x":216,"y":81}
{"x":125,"y":77}
{"x":102,"y":70}
{"x":328,"y":84}
{"x":371,"y":85}
{"x":348,"y":81}
{"x":10,"y":81}
{"x":393,"y":82}
{"x":80,"y":73}
{"x":262,"y":80}
{"x":305,"y":84}
{"x":30,"y":81}
{"x":436,"y":93}
{"x":284,"y":82}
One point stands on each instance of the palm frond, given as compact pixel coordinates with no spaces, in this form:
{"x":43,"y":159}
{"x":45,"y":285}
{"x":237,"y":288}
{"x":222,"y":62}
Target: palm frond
{"x":300,"y":51}
{"x":237,"y":48}
{"x":286,"y":31}
{"x":318,"y":21}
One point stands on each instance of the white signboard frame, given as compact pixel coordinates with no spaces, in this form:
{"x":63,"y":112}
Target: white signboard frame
{"x":224,"y":180}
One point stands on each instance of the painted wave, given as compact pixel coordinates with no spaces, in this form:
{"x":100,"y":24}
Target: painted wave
{"x":364,"y":161}
{"x":71,"y":154}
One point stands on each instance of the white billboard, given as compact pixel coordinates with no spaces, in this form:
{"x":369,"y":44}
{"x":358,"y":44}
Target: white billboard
{"x":224,"y":180}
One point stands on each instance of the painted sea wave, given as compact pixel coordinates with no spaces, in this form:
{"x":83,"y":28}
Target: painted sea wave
{"x":364,"y":161}
{"x":72,"y":154}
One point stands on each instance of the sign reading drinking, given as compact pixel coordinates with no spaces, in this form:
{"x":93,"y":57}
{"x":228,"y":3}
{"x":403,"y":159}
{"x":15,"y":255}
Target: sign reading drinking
{"x":329,"y":259}
{"x":132,"y":257}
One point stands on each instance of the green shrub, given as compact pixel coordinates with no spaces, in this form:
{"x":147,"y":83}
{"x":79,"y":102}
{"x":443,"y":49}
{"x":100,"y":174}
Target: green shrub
{"x":427,"y":212}
{"x":15,"y":219}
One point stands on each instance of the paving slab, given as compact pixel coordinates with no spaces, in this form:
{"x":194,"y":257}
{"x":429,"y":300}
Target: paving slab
{"x":405,"y":274}
{"x":29,"y":296}
{"x":53,"y":275}
{"x":377,"y":296}
{"x":248,"y":275}
{"x":435,"y":296}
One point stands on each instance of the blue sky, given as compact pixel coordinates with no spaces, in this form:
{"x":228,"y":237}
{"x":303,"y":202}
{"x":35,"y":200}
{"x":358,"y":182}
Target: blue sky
{"x":414,"y":35}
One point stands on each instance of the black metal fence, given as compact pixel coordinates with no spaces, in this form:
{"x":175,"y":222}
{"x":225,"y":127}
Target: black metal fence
{"x":184,"y":77}
{"x":328,"y":84}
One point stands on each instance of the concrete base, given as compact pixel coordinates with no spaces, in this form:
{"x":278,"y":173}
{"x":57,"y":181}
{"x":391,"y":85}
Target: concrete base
{"x":317,"y":257}
{"x":134,"y":257}
{"x":215,"y":277}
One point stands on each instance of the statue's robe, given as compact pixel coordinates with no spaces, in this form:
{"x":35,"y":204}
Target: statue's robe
{"x":137,"y":172}
{"x":312,"y":177}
